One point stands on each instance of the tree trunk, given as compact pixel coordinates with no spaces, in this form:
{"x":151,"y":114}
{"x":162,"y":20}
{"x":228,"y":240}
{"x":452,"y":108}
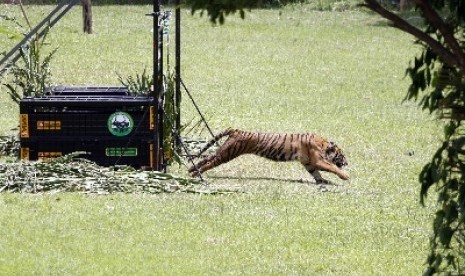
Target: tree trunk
{"x":87,"y":15}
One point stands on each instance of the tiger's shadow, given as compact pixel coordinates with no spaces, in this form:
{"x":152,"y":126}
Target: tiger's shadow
{"x":290,"y":180}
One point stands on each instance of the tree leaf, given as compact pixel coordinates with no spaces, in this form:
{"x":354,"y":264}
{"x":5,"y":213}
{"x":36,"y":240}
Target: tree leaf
{"x":445,"y":236}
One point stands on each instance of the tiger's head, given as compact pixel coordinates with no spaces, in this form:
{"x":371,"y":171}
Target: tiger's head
{"x":334,"y":154}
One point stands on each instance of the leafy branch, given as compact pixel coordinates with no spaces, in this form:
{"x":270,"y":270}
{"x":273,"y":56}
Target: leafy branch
{"x":31,"y":75}
{"x":439,"y":72}
{"x":71,"y":173}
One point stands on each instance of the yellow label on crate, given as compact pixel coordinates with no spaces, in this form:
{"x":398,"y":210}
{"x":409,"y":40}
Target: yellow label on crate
{"x":152,"y":118}
{"x":49,"y":125}
{"x":24,"y":154}
{"x":45,"y":155}
{"x":24,"y":125}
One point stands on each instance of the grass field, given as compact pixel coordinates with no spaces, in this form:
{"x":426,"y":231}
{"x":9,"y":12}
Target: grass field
{"x":290,"y":70}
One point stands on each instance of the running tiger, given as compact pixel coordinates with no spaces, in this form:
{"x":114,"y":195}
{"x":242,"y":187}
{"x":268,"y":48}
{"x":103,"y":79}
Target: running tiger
{"x":314,"y":152}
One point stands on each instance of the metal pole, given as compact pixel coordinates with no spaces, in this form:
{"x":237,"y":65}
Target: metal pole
{"x":156,"y":89}
{"x":161,"y":102}
{"x":177,"y":97}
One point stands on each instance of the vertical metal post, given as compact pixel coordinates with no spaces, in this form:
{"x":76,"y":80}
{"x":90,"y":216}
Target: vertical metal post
{"x":177,"y":97}
{"x":161,"y":101}
{"x":156,"y":88}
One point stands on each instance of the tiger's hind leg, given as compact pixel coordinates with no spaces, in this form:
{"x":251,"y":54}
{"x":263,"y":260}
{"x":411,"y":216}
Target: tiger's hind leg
{"x":225,"y":153}
{"x":208,"y":163}
{"x":195,"y":170}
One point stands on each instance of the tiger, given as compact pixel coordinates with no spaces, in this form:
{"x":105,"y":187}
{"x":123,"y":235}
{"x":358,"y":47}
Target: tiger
{"x":312,"y":151}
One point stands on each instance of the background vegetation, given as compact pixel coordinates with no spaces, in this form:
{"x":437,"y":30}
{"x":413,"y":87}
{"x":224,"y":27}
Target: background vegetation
{"x":288,"y":70}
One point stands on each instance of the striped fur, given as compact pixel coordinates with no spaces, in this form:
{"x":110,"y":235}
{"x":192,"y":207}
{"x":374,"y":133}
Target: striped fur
{"x":314,"y":152}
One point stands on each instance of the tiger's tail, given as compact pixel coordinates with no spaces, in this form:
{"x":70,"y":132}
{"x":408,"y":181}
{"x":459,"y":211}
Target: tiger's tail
{"x":215,"y":139}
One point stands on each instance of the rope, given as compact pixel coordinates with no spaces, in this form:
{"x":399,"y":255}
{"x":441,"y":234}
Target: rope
{"x":198,"y":111}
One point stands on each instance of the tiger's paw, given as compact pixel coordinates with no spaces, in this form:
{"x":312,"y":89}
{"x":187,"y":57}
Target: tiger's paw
{"x":194,"y":173}
{"x":344,"y":176}
{"x":321,"y":181}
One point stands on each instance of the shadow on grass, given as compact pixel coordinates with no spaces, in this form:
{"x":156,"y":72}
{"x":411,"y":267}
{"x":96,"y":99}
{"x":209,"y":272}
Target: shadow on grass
{"x":411,"y":16}
{"x":259,"y":178}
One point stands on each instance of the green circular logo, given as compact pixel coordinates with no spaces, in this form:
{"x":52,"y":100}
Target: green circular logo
{"x":120,"y":123}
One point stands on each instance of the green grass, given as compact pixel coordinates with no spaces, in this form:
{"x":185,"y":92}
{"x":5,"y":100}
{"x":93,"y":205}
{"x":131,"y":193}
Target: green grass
{"x":290,"y":70}
{"x":265,"y":233}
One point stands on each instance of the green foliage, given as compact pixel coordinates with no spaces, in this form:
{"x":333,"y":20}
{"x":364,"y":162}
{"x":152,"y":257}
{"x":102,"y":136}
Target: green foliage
{"x":440,"y":88}
{"x":445,"y":171}
{"x":139,"y":85}
{"x":95,"y":3}
{"x":5,"y":21}
{"x":170,"y":114}
{"x":217,"y":11}
{"x":70,"y":173}
{"x":9,"y":145}
{"x":31,"y":74}
{"x":438,"y":83}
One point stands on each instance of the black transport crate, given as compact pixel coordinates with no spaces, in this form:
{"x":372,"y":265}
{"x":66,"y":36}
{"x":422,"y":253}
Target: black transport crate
{"x":137,"y":153}
{"x":106,"y":122}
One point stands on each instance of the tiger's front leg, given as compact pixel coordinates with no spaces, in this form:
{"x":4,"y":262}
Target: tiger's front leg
{"x":329,"y":167}
{"x":315,"y":173}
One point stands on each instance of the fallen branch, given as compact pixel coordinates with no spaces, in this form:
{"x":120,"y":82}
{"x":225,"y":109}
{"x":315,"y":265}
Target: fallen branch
{"x":72,"y":174}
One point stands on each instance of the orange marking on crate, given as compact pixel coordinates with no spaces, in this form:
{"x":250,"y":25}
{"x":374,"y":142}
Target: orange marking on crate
{"x":45,"y":155}
{"x":49,"y":125}
{"x":151,"y":156}
{"x":24,"y":125}
{"x":24,"y":154}
{"x":152,"y":118}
